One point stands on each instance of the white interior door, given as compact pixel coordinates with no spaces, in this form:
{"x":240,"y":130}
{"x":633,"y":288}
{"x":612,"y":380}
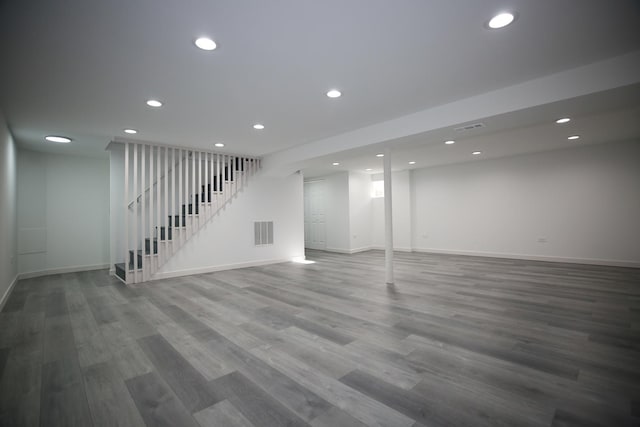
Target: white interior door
{"x":314,"y":217}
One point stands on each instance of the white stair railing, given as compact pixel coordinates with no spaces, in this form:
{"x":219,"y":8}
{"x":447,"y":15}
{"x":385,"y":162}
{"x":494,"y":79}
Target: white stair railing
{"x":170,"y":193}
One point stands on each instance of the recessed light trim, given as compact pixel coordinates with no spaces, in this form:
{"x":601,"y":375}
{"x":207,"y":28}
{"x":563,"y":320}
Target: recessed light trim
{"x":475,"y":153}
{"x":219,"y":144}
{"x":563,"y":120}
{"x":58,"y":139}
{"x":335,"y":164}
{"x":368,"y":169}
{"x":501,"y":20}
{"x":573,"y":137}
{"x":334,"y":93}
{"x":154,"y":103}
{"x":412,"y":163}
{"x":130,"y":131}
{"x":205,"y":43}
{"x":450,"y":142}
{"x":258,"y":126}
{"x":380,"y":155}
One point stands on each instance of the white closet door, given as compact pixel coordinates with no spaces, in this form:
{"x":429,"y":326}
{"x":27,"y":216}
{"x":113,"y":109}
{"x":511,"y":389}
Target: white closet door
{"x":314,"y":215}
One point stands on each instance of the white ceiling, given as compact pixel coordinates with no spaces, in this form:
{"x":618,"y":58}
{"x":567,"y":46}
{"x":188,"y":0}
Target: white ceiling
{"x":610,"y":116}
{"x":84,"y":68}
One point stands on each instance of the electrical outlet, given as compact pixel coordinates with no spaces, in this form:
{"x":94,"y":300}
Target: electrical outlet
{"x":424,"y":236}
{"x":542,"y":240}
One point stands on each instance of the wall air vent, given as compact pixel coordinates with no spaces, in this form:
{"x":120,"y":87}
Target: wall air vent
{"x":263,"y":233}
{"x":466,"y":128}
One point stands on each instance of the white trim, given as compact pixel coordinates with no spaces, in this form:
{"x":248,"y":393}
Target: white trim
{"x":32,"y":274}
{"x":7,"y":293}
{"x":395,"y":249}
{"x":591,"y":261}
{"x":337,"y":250}
{"x":213,"y":268}
{"x":362,"y":249}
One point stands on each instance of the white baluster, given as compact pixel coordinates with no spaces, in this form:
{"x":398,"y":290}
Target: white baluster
{"x":193,"y":192}
{"x":205,"y":198}
{"x":158,"y":210}
{"x":178,"y":222}
{"x":197,"y":192}
{"x":143,"y":179}
{"x":136,"y":210}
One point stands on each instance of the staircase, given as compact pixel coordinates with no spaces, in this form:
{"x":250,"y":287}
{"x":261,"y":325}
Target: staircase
{"x":176,"y":192}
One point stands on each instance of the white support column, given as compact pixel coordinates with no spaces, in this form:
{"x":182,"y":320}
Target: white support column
{"x":388,"y":218}
{"x":126,"y":211}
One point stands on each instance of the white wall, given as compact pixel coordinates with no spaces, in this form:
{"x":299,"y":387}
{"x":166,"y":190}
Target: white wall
{"x":401,"y":202}
{"x":63,"y":213}
{"x":227,"y":240}
{"x":359,"y":211}
{"x":116,"y":205}
{"x":585,"y":202}
{"x":8,"y":226}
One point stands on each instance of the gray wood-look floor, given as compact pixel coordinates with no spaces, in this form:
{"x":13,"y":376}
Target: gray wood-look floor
{"x":458,"y":341}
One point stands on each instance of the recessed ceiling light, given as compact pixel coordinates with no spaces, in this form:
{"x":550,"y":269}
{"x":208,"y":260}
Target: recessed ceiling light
{"x":368,"y":169}
{"x":333,"y":93}
{"x":335,"y":164}
{"x":219,"y":144}
{"x":572,"y":137}
{"x":258,"y":126}
{"x":563,"y":120}
{"x":412,"y":163}
{"x":449,"y":142}
{"x":475,"y":153}
{"x":380,"y":155}
{"x":154,"y":103}
{"x":501,"y":20}
{"x":205,"y":43}
{"x":130,"y":131}
{"x":60,"y":139}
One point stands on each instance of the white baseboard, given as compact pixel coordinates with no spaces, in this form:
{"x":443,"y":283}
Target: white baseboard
{"x":337,"y":250}
{"x":591,"y":261}
{"x":5,"y":297}
{"x":63,"y":270}
{"x":381,"y":248}
{"x":347,"y":251}
{"x":211,"y":269}
{"x":364,"y":249}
